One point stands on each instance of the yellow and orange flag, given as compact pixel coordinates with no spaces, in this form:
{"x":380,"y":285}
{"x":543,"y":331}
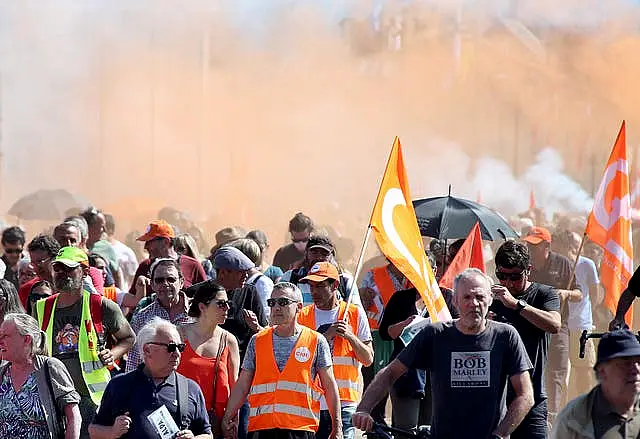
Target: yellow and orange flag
{"x":396,"y":230}
{"x":609,"y":225}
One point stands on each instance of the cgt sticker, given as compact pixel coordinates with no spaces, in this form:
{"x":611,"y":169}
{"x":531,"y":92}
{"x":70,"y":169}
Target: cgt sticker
{"x":302,"y":354}
{"x":470,"y":369}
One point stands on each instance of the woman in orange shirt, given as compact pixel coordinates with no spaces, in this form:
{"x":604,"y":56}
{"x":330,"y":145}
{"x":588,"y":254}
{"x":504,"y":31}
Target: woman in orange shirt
{"x":211,"y":357}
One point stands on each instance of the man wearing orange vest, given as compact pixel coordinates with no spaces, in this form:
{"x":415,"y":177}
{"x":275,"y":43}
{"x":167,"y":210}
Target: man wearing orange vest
{"x":283,"y":391}
{"x":376,"y":288}
{"x":346,"y":328}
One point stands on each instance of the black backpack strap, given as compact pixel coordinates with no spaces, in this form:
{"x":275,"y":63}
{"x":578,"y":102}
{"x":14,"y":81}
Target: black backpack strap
{"x":182,"y":389}
{"x":343,"y":287}
{"x":255,"y":281}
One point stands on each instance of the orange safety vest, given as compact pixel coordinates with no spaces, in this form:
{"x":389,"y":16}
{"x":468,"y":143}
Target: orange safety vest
{"x":386,"y":289}
{"x":110,"y":293}
{"x":346,"y":367}
{"x":289,"y":399}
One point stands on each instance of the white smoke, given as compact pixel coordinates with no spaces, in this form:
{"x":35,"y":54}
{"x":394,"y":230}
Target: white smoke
{"x":493,"y":180}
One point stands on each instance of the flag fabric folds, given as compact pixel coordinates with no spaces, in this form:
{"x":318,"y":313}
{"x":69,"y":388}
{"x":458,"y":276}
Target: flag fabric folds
{"x":470,"y":255}
{"x":609,"y":225}
{"x":395,"y":228}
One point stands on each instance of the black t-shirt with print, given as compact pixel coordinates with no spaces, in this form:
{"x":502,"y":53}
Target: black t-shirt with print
{"x":536,"y":340}
{"x":66,"y":330}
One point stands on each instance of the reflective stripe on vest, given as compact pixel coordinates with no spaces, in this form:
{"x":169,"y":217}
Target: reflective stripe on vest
{"x":289,"y":399}
{"x":286,"y":385}
{"x":95,"y":374}
{"x":285,"y":409}
{"x":386,"y":288}
{"x":346,"y":367}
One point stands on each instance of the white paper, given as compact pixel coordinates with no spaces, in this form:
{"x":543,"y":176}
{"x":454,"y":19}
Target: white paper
{"x":412,"y":329}
{"x":163,"y":422}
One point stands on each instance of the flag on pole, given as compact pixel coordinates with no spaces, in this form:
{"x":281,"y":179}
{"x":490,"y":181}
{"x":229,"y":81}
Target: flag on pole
{"x":469,"y":255}
{"x":532,"y":200}
{"x":395,"y":228}
{"x":609,"y":225}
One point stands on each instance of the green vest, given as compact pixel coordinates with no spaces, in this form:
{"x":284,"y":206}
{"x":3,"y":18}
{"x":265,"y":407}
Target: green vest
{"x":95,"y":374}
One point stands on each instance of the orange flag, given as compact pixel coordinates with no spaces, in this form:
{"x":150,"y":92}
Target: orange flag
{"x":469,"y":255}
{"x":532,"y":200}
{"x":395,"y":227}
{"x":609,"y":225}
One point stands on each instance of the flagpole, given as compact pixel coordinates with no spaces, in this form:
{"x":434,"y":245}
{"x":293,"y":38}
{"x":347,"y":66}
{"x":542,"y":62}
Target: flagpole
{"x":367,"y":234}
{"x":575,"y":263}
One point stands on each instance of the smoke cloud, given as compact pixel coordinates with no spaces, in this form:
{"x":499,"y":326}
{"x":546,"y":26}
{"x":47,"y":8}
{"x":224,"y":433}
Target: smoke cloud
{"x":245,"y":112}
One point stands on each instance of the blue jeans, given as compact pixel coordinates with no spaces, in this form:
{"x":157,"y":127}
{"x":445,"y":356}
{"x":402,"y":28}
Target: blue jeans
{"x":243,"y":421}
{"x":348,"y":430}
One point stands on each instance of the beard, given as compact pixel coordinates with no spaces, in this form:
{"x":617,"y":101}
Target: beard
{"x":68,"y":284}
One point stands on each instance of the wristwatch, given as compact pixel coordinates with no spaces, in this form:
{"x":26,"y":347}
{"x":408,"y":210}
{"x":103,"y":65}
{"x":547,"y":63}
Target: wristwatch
{"x":520,"y":306}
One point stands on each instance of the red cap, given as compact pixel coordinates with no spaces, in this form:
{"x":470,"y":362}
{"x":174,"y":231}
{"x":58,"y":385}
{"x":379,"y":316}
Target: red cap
{"x":157,"y":229}
{"x":536,"y":235}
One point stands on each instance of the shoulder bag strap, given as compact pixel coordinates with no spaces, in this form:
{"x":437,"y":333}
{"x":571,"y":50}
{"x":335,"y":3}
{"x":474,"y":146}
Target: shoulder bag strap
{"x":221,"y":345}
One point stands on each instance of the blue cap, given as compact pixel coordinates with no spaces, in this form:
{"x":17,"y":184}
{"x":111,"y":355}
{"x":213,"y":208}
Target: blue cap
{"x":232,"y":259}
{"x":616,"y":344}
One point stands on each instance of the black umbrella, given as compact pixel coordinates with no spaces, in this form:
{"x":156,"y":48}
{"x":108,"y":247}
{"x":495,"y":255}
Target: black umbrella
{"x":47,"y":204}
{"x":453,"y":218}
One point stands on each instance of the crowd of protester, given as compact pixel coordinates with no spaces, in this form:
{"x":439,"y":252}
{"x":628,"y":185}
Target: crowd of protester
{"x":99,"y":341}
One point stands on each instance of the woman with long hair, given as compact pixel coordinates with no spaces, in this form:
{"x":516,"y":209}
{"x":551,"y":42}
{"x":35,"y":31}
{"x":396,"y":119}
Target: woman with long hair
{"x":212,"y":358}
{"x":9,"y":299}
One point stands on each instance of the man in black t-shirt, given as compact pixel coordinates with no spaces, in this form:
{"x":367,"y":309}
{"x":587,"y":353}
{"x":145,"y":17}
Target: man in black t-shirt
{"x":553,"y":269}
{"x":469,"y":360}
{"x":533,"y":309}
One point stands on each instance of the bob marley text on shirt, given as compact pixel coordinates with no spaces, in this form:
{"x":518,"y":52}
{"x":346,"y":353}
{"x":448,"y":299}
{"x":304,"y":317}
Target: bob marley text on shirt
{"x":67,"y":338}
{"x":470,"y":369}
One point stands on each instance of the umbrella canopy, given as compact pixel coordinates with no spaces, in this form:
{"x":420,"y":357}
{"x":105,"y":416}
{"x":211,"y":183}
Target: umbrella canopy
{"x":47,"y":204}
{"x":453,"y":218}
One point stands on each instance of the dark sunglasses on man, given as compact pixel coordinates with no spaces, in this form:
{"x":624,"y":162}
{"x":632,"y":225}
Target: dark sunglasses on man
{"x":171,"y":347}
{"x":13,"y":251}
{"x":281,"y":301}
{"x":514,"y":277}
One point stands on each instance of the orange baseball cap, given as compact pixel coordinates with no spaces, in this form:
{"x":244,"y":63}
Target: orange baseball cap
{"x":322,"y":271}
{"x":536,"y":235}
{"x":157,"y":229}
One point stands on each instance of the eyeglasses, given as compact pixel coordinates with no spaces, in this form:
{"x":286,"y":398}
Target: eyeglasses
{"x":300,"y":240}
{"x":13,"y":251}
{"x":510,"y":276}
{"x":161,"y":280}
{"x":41,"y":261}
{"x":171,"y":347}
{"x":223,"y":304}
{"x":281,"y":301}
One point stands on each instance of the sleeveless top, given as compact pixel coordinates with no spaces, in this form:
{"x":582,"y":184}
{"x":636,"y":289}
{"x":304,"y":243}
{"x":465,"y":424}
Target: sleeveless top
{"x":201,"y":370}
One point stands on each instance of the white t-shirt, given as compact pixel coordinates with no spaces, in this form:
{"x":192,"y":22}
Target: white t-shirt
{"x":324,"y":317}
{"x":264,"y":286}
{"x":580,"y":317}
{"x":127,"y":261}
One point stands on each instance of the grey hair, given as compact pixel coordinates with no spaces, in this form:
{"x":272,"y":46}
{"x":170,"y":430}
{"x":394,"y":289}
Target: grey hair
{"x":468,"y":274}
{"x":27,"y":325}
{"x":151,"y":329}
{"x":81,"y":224}
{"x":281,"y":286}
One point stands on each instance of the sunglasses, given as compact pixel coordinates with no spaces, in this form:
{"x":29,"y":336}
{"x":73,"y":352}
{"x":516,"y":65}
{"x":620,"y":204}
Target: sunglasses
{"x":171,"y":347}
{"x":222,"y":304}
{"x":509,"y":276}
{"x":161,"y":280}
{"x":300,"y":240}
{"x":61,"y":268}
{"x":281,"y":301}
{"x":13,"y":251}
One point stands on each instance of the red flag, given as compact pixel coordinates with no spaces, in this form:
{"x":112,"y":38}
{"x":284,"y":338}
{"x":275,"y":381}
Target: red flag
{"x":609,"y":225}
{"x":532,"y":200}
{"x":469,"y":256}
